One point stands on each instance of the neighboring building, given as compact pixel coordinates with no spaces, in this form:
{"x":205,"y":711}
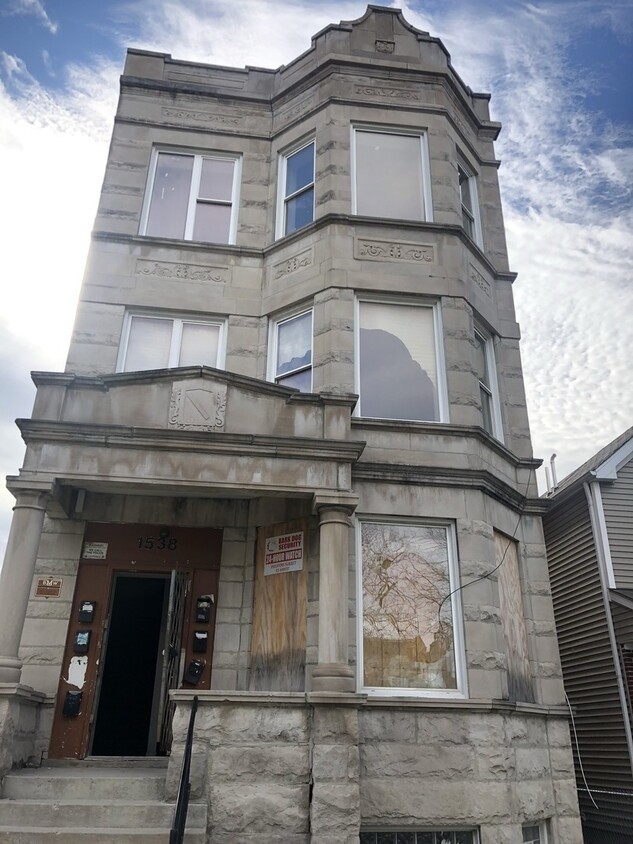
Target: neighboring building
{"x":355,"y":588}
{"x":589,"y":538}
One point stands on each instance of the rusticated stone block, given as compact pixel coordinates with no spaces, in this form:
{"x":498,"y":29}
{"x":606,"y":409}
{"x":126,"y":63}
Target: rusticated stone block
{"x":260,"y":762}
{"x":335,"y":762}
{"x":335,"y":809}
{"x":258,"y":808}
{"x":387,"y":725}
{"x":395,"y":760}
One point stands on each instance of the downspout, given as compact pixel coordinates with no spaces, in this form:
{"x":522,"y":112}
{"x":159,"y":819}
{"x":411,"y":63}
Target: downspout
{"x":600,"y":538}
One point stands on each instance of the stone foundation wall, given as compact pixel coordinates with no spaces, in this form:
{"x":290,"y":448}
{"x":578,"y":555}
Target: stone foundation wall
{"x":317,"y":769}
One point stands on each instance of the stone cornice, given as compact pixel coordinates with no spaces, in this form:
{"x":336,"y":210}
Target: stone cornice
{"x":160,"y":439}
{"x":481,"y":479}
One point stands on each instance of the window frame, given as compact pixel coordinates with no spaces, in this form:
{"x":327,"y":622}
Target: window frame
{"x":440,"y":362}
{"x":194,"y":188}
{"x":282,"y":198}
{"x":422,"y":135}
{"x":460,"y":692}
{"x":474,"y":216}
{"x":177,"y":320}
{"x":493,"y":389}
{"x":273,"y":344}
{"x":542,"y":829}
{"x":421,"y":830}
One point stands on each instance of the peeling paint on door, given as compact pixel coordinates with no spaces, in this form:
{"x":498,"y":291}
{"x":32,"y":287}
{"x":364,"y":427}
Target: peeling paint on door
{"x":77,"y":671}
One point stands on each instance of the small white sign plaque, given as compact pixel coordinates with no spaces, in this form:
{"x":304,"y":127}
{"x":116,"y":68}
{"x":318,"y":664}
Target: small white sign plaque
{"x":284,"y":553}
{"x":95,"y":551}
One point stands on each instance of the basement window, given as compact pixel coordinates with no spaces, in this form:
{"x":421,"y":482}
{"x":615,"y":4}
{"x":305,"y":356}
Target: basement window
{"x":534,"y":833}
{"x":423,"y":836}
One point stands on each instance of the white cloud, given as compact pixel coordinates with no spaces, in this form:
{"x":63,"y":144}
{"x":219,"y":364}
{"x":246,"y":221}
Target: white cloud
{"x":32,"y":8}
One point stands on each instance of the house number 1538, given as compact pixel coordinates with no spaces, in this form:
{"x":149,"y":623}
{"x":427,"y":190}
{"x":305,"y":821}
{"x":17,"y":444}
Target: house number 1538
{"x":160,"y":543}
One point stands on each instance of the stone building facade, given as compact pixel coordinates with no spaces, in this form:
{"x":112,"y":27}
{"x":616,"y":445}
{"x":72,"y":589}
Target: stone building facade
{"x":288,"y":467}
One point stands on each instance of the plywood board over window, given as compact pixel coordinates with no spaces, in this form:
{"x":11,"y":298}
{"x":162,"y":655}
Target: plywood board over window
{"x":278,"y":654}
{"x":513,"y":620}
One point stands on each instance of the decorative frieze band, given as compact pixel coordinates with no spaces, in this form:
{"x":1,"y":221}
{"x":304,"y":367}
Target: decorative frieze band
{"x":189,"y":272}
{"x":481,"y":281}
{"x":384,"y":91}
{"x":296,"y":110}
{"x":203,"y":116}
{"x":291,"y":265}
{"x":385,"y":46}
{"x":389,"y":250}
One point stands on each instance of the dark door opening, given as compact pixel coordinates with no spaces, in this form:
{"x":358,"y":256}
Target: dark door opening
{"x":126,"y":719}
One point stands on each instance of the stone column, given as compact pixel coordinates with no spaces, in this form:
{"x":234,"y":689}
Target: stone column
{"x":17,"y":576}
{"x":333,"y":672}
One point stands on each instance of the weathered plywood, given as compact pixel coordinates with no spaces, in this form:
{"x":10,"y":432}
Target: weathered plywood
{"x":513,"y":620}
{"x":279,"y":620}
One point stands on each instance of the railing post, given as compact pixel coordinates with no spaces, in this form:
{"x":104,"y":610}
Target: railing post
{"x":177,"y":832}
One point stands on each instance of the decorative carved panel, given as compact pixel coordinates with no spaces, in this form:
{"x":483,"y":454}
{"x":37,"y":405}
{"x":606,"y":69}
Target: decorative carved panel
{"x":197,"y":406}
{"x":387,"y":91}
{"x":190,"y":272}
{"x":297,"y":262}
{"x":481,"y":281}
{"x":385,"y":46}
{"x":202,"y":116}
{"x":389,"y":250}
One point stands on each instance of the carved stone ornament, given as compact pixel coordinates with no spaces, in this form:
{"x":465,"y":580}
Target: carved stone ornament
{"x":203,"y":116}
{"x":384,"y":91}
{"x":388,"y":250}
{"x":190,"y":272}
{"x":385,"y":46}
{"x":296,"y":110}
{"x":481,"y":281}
{"x":297,"y":262}
{"x":194,"y":407}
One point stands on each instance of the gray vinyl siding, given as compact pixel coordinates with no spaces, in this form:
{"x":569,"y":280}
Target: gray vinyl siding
{"x":617,"y":502}
{"x":588,"y":670}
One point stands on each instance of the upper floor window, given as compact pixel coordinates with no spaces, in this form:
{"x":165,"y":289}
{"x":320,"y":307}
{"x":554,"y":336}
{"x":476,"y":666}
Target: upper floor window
{"x":399,"y":374}
{"x":409,"y":636}
{"x":291,"y":352}
{"x":469,"y":203}
{"x":159,"y":342}
{"x":391,"y":176}
{"x":488,"y":393}
{"x":296,"y":190}
{"x":192,"y":197}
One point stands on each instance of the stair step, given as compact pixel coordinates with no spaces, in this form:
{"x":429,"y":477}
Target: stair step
{"x":87,"y":835}
{"x":96,"y":814}
{"x":75,"y":782}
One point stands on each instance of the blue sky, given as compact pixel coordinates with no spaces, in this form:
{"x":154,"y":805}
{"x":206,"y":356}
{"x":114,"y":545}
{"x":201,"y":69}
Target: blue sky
{"x":560,"y":75}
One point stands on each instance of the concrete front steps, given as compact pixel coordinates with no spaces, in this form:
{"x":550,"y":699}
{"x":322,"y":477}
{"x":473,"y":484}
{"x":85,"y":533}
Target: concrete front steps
{"x":93,"y":802}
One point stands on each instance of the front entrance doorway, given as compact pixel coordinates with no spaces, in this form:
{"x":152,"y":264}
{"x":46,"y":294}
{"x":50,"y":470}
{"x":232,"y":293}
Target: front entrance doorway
{"x":143,"y":613}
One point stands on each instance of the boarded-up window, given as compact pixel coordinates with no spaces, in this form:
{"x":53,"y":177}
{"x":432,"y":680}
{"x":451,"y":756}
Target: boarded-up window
{"x":513,"y":620}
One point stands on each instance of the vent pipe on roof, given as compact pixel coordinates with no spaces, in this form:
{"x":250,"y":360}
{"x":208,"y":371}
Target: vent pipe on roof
{"x":553,"y":468}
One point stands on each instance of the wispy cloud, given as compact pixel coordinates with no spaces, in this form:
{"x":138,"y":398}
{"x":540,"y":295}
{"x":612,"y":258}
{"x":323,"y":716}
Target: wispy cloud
{"x":34,"y":9}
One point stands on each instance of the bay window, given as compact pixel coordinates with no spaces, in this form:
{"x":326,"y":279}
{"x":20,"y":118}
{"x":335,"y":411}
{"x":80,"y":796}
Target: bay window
{"x":488,"y":391}
{"x":296,"y":190}
{"x":192,"y":196}
{"x":159,"y":342}
{"x":291,"y":352}
{"x":469,"y":203}
{"x":409,"y":637}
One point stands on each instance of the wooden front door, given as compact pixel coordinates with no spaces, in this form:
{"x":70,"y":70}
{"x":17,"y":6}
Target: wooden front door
{"x":142,"y":622}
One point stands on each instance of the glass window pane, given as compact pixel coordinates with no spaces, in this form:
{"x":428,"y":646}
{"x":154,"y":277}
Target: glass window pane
{"x":425,"y":838}
{"x":299,"y":211}
{"x":299,"y":380}
{"x":212,"y":223}
{"x":407,"y":638}
{"x":486,"y":409}
{"x":406,"y":838}
{"x":481,"y":360}
{"x":148,"y":344}
{"x":299,"y":169}
{"x":367,"y":838}
{"x":170,"y":196}
{"x":199,"y":344}
{"x":389,"y":175}
{"x":385,"y":838}
{"x":398,"y":374}
{"x":531,"y":835}
{"x":216,"y":179}
{"x":463,"y":838}
{"x":294,"y":343}
{"x":464,"y":189}
{"x":445,"y":838}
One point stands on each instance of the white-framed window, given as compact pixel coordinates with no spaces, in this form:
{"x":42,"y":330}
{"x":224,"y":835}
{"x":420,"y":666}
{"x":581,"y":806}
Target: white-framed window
{"x":157,"y":341}
{"x":534,"y":833}
{"x":488,"y":389}
{"x":400,"y":361}
{"x":192,"y":196}
{"x":410,"y":631}
{"x":390,"y":174}
{"x":295,"y":206}
{"x":419,"y":836}
{"x":290,"y":351}
{"x":469,"y":199}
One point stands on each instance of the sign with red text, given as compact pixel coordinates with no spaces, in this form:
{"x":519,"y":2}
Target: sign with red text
{"x":284,"y":553}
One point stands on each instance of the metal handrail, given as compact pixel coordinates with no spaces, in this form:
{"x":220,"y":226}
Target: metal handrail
{"x":177,"y":832}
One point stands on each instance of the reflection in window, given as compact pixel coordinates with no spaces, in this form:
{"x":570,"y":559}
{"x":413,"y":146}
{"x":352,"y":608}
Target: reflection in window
{"x":408,"y":637}
{"x":389,"y":181}
{"x":162,"y":342}
{"x":398,"y":370}
{"x":298,"y":192}
{"x":293,"y":357}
